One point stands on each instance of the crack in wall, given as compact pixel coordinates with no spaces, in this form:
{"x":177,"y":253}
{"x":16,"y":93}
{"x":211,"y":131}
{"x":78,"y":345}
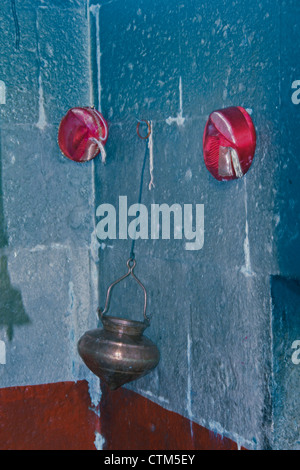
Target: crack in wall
{"x":16,"y":23}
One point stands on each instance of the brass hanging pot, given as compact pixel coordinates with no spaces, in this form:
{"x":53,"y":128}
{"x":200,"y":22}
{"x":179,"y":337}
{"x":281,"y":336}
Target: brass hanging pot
{"x":119,"y":353}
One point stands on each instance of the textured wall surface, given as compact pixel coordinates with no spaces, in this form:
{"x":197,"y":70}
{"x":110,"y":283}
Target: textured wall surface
{"x":48,"y":275}
{"x":173,"y":63}
{"x":286,"y":351}
{"x":222,"y":316}
{"x":285,"y":287}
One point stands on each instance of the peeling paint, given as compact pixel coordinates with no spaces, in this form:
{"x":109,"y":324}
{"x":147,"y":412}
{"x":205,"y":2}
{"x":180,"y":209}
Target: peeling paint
{"x":246,"y":269}
{"x":179,"y":120}
{"x":99,"y":441}
{"x":16,"y":22}
{"x":2,"y":352}
{"x":95,"y":10}
{"x":149,"y":394}
{"x":95,"y":245}
{"x":2,"y":92}
{"x":217,"y":428}
{"x":151,"y":157}
{"x":71,"y":298}
{"x":188,"y":175}
{"x":90,"y":52}
{"x":189,"y":382}
{"x":94,"y":390}
{"x":56,"y":246}
{"x":42,"y":121}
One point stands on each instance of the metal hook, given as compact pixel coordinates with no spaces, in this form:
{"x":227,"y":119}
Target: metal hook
{"x":148,"y":126}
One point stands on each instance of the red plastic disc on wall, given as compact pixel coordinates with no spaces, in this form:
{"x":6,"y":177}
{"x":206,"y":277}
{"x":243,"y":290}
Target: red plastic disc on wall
{"x":82,"y":134}
{"x":229,"y":142}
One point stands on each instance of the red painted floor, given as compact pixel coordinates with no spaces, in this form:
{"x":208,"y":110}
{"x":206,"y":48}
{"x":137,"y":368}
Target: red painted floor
{"x":130,"y":421}
{"x":55,"y":416}
{"x":60,"y":416}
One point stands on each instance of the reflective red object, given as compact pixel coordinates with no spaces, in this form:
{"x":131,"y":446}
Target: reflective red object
{"x":82,"y":134}
{"x":229,"y":142}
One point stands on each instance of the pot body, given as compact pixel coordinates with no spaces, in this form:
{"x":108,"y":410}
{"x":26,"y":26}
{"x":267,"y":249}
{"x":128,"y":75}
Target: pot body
{"x":119,"y":353}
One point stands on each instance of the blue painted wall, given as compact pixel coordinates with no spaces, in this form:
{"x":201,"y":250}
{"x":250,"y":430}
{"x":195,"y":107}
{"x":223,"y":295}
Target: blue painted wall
{"x":173,"y":63}
{"x":286,"y":354}
{"x":48,"y":276}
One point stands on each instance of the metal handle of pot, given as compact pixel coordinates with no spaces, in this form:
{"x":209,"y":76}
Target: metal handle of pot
{"x":131,"y":263}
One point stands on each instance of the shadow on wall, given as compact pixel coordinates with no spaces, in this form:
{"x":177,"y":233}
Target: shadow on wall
{"x":12,"y":310}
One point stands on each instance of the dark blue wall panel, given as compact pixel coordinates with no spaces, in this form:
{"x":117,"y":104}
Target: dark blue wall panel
{"x":173,"y":63}
{"x":286,"y":354}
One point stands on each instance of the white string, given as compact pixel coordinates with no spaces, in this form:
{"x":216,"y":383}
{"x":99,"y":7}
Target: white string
{"x":101,"y":139}
{"x":104,"y":125}
{"x":102,"y":149}
{"x":151,"y":160}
